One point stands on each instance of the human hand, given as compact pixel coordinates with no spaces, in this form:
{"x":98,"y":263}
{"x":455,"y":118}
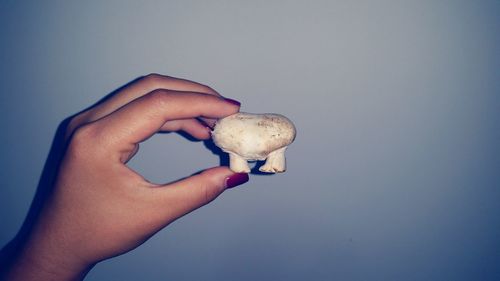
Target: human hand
{"x":101,"y":208}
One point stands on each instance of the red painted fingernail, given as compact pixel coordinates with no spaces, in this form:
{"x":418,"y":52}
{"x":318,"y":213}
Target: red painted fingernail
{"x":236,"y":180}
{"x":235,"y":102}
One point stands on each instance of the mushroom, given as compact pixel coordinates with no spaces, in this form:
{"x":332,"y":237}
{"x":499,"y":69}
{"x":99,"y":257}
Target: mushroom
{"x":250,"y":137}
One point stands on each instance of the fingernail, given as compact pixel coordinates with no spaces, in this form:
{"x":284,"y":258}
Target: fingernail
{"x":236,"y":180}
{"x":235,"y":102}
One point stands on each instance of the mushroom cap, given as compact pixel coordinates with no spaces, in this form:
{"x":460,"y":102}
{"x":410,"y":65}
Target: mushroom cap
{"x":253,"y":136}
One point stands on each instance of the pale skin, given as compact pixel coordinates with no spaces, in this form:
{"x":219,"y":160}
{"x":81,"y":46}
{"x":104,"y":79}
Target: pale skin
{"x":100,"y":208}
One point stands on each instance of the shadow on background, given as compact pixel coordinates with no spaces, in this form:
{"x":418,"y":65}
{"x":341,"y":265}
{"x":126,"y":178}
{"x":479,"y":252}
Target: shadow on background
{"x":45,"y":188}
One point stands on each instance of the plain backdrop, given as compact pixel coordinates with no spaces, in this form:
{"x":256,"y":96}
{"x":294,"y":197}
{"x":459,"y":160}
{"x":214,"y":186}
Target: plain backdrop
{"x":395,"y":172}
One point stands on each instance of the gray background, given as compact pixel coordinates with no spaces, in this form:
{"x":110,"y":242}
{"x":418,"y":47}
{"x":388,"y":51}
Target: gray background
{"x":395,"y":171}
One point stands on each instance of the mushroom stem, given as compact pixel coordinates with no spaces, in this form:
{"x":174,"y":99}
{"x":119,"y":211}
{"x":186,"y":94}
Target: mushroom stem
{"x":275,"y":162}
{"x":238,"y":164}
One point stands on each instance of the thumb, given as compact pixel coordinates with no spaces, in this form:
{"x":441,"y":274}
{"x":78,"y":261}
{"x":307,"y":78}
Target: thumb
{"x":193,"y":192}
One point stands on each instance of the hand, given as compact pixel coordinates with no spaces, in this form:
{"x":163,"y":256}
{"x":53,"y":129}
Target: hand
{"x":99,"y":207}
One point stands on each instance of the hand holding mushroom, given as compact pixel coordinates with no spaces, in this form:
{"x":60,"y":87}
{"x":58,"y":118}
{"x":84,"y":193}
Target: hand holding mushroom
{"x":249,"y":137}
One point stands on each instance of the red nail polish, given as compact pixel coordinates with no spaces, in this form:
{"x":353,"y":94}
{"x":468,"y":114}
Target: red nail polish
{"x":235,"y":102}
{"x":236,"y":180}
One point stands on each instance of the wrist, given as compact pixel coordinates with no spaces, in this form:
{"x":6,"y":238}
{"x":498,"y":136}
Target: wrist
{"x":37,"y":263}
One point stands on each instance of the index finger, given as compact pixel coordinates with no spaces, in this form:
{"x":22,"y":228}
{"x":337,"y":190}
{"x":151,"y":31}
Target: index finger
{"x":134,"y":90}
{"x":145,"y":85}
{"x":143,"y":117}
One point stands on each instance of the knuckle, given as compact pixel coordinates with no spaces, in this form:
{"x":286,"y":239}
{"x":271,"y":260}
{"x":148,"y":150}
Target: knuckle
{"x":159,"y":98}
{"x":82,"y":140}
{"x":75,"y":122}
{"x":154,"y":80}
{"x":85,"y":132}
{"x":206,"y":194}
{"x":209,"y":191}
{"x":152,"y":76}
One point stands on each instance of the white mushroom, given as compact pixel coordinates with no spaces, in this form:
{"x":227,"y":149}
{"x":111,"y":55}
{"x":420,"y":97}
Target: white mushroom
{"x":249,"y":137}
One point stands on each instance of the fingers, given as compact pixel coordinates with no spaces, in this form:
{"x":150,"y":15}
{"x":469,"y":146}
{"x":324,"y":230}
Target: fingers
{"x":146,"y":115}
{"x":190,"y":126}
{"x":136,"y":89}
{"x":145,"y":85}
{"x":191,"y":193}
